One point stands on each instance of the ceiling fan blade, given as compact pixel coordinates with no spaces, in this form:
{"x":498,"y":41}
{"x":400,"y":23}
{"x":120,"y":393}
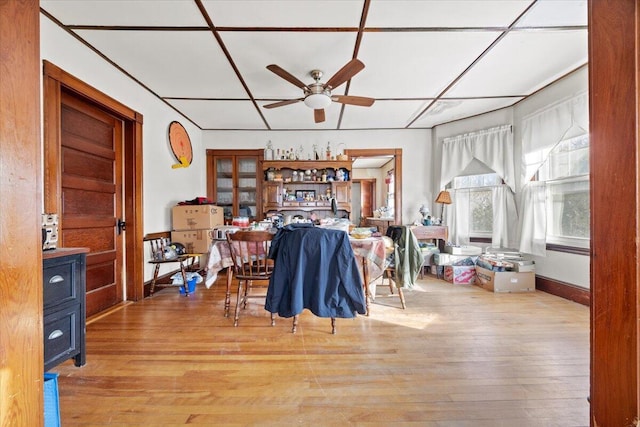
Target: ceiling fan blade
{"x":361,"y":101}
{"x":352,"y":68}
{"x":318,"y":115}
{"x":282,"y":103}
{"x":287,"y":76}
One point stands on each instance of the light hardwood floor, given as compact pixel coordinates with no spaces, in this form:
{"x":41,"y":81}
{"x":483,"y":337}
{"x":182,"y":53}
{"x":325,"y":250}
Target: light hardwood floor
{"x":457,"y":356}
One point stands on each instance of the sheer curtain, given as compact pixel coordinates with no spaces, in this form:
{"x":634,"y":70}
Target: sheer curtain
{"x":541,"y":132}
{"x":504,"y":217}
{"x":533,"y":219}
{"x":457,"y":217}
{"x":494,"y":148}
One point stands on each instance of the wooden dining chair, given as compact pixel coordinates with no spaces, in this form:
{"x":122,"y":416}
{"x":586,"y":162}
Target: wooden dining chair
{"x":251,"y":266}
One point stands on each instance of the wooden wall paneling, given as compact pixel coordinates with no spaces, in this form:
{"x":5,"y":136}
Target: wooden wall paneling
{"x":613,"y":97}
{"x":21,"y":342}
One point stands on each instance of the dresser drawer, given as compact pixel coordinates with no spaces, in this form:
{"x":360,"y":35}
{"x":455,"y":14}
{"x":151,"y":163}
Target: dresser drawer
{"x":61,"y":335}
{"x":59,"y":284}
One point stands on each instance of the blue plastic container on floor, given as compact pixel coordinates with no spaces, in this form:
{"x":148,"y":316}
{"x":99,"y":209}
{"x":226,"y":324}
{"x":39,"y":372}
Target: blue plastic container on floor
{"x":51,"y":402}
{"x":192,"y":285}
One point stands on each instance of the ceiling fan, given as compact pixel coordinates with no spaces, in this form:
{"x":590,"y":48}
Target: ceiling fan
{"x":317,"y":95}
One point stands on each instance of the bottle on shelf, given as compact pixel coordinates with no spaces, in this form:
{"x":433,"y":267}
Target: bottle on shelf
{"x":329,"y":150}
{"x":268,"y":152}
{"x":292,"y":154}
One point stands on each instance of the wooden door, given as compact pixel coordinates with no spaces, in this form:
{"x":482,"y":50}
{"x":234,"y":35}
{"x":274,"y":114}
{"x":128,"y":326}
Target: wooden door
{"x":367,"y":197}
{"x":91,"y":196}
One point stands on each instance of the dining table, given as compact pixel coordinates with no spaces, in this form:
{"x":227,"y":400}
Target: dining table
{"x":369,"y":252}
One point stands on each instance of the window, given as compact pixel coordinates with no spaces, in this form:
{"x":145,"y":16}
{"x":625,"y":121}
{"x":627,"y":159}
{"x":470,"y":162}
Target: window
{"x":566,"y":173}
{"x":480,"y":201}
{"x":391,"y":188}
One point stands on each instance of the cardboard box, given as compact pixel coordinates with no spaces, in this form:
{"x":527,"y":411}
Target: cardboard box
{"x":460,"y":274}
{"x":506,"y":281}
{"x":448,"y":259}
{"x":197,"y":217}
{"x":196,"y":241}
{"x":525,"y":265}
{"x":463,"y":250}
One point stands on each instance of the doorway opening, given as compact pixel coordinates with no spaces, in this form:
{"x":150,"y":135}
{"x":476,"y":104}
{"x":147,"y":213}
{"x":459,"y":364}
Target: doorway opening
{"x":370,"y":184}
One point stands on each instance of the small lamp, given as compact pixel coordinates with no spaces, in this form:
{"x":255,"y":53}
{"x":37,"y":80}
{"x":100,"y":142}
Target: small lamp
{"x":445,"y":198}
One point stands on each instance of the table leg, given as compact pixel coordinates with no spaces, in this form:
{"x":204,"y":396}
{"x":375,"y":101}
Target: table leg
{"x":227,"y":298}
{"x":365,"y":273}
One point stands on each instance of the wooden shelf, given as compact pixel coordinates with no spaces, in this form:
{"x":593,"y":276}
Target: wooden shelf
{"x":273,"y":195}
{"x":306,"y":164}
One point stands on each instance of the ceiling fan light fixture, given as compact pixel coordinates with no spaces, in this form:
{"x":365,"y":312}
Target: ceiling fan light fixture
{"x":317,"y":101}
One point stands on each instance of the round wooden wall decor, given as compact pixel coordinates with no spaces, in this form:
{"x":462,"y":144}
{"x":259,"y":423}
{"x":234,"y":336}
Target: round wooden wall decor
{"x":180,"y":143}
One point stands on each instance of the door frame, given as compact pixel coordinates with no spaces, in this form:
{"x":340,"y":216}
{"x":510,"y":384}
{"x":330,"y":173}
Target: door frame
{"x":397,"y":166}
{"x":54,"y":79}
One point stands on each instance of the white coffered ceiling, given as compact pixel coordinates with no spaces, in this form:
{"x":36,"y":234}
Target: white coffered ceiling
{"x":426,"y":62}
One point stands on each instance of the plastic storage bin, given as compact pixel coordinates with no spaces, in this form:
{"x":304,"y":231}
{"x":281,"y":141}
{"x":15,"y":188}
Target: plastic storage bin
{"x":51,"y":402}
{"x":192,"y":285}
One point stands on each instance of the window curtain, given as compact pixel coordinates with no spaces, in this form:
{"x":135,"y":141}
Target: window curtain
{"x":533,"y":219}
{"x":493,"y":147}
{"x":504,"y":217}
{"x":456,"y":216}
{"x":541,"y":132}
{"x":544,"y":129}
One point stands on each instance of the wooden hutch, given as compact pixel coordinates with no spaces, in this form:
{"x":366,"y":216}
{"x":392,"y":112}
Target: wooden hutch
{"x":299,"y":187}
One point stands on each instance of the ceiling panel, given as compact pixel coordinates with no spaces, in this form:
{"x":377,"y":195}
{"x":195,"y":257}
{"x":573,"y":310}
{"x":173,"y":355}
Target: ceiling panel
{"x":386,"y":114}
{"x":299,"y":116}
{"x":284,"y":13}
{"x":297,"y":53}
{"x":448,"y":110}
{"x":415,"y":65}
{"x":548,"y":13}
{"x":220,"y":114}
{"x":438,"y":13}
{"x":125,"y":12}
{"x":524,"y":62}
{"x":177,"y":64}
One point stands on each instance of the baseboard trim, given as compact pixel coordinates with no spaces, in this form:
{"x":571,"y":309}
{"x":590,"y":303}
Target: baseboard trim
{"x":564,"y":290}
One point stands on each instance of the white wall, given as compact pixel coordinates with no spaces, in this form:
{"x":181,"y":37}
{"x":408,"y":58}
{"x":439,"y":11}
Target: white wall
{"x":163,"y":186}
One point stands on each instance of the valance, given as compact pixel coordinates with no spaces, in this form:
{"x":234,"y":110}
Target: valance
{"x":493,"y":147}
